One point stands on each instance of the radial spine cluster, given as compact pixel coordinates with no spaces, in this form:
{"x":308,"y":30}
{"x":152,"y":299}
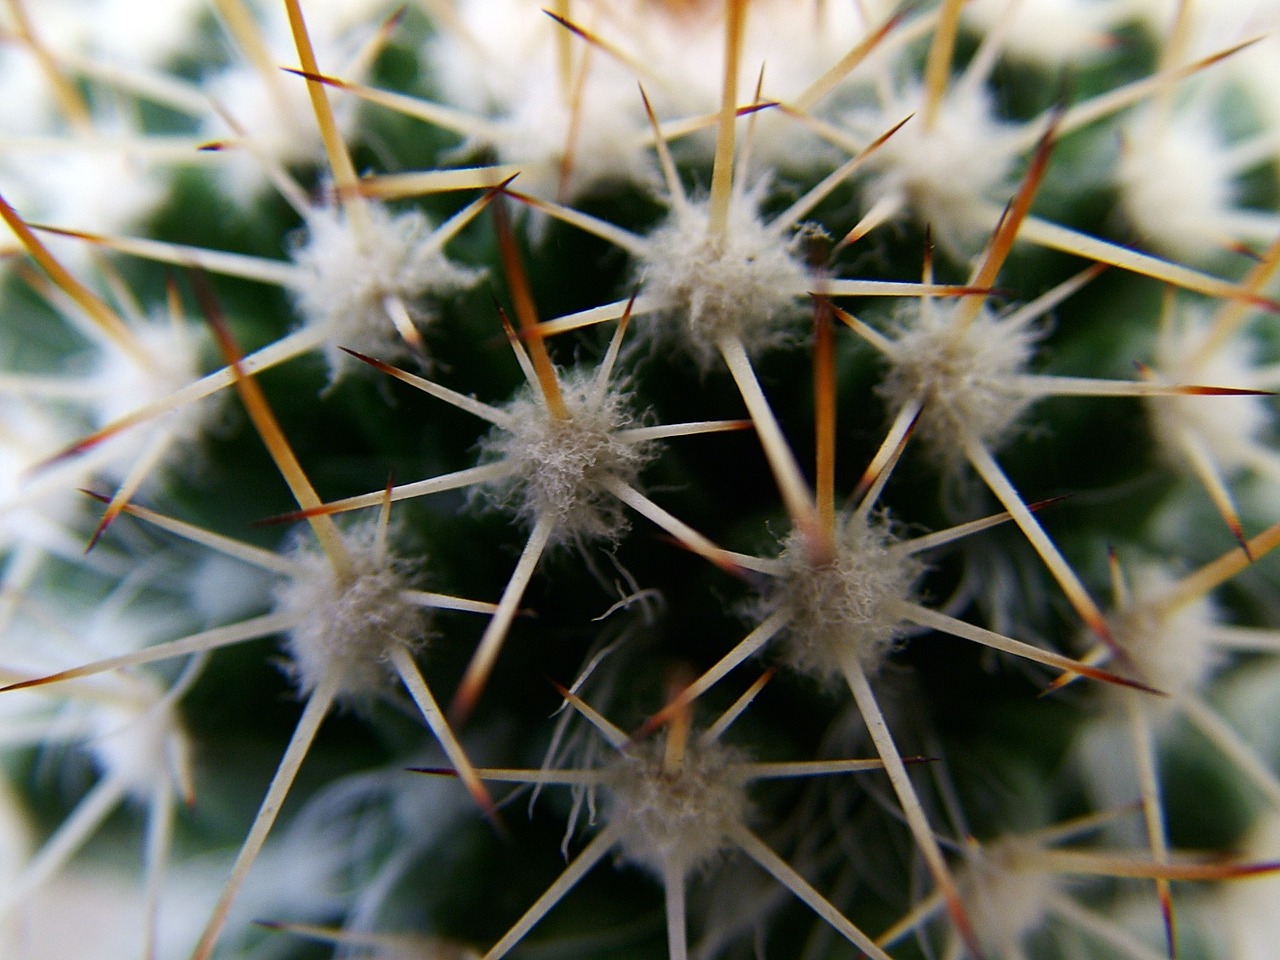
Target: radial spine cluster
{"x":812,"y":465}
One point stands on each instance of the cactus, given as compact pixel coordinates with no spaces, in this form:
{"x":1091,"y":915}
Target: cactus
{"x":660,"y":479}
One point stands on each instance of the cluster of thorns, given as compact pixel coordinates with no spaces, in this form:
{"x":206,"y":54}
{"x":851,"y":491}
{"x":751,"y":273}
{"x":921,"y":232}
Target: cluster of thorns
{"x":565,"y":458}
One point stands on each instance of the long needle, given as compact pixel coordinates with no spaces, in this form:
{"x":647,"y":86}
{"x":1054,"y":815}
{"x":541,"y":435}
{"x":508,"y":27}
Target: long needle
{"x":318,"y":704}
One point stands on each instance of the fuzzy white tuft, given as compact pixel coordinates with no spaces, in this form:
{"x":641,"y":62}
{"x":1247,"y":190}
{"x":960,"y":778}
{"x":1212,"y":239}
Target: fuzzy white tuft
{"x":16,"y":838}
{"x":277,"y":116}
{"x":1007,"y":897}
{"x":30,"y":433}
{"x":846,"y":604}
{"x":602,"y":139}
{"x":30,"y":104}
{"x":675,"y":820}
{"x":104,"y":192}
{"x":138,"y":736}
{"x":348,"y":627}
{"x":280,"y":130}
{"x":348,"y":283}
{"x":151,"y":34}
{"x":1228,"y":428}
{"x":1049,"y":33}
{"x":107,"y":917}
{"x":1213,"y":26}
{"x":1248,"y":907}
{"x":949,"y":175}
{"x":507,"y":69}
{"x":960,"y":375}
{"x":1103,"y":752}
{"x":746,"y":284}
{"x":1187,"y":211}
{"x":1247,"y":696}
{"x":223,"y":590}
{"x":563,"y":465}
{"x":17,"y":841}
{"x":125,"y":385}
{"x":1171,"y":652}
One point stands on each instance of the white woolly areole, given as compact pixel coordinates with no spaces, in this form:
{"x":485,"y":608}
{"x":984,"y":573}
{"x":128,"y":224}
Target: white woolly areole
{"x":506,"y":68}
{"x":1006,"y":896}
{"x":146,"y":33}
{"x":125,"y":385}
{"x":279,"y":129}
{"x":603,"y":139}
{"x":278,"y":118}
{"x":31,"y":508}
{"x":30,"y":105}
{"x":348,"y":627}
{"x":563,"y":465}
{"x":16,"y":836}
{"x":1049,"y":33}
{"x":511,"y":48}
{"x":222,"y":589}
{"x":86,"y":189}
{"x":848,"y":605}
{"x":1214,"y":25}
{"x":675,"y":820}
{"x":746,"y":284}
{"x":1248,"y":907}
{"x":949,"y":175}
{"x":1170,"y":652}
{"x":1228,"y":428}
{"x":960,"y":374}
{"x":1188,"y":209}
{"x":138,"y":737}
{"x":1103,"y":753}
{"x":348,"y":281}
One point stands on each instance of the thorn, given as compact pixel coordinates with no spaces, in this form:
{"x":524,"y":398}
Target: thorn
{"x":1199,"y":390}
{"x":938,"y":63}
{"x":577,"y":99}
{"x":113,"y":510}
{"x":722,"y":166}
{"x":393,"y":21}
{"x":753,"y":107}
{"x":98,"y":310}
{"x":681,"y":721}
{"x":617,"y":738}
{"x":268,"y":427}
{"x":1006,"y":232}
{"x":720,"y":559}
{"x":1237,"y":531}
{"x":283,"y":518}
{"x":964,"y":926}
{"x":675,"y":188}
{"x":378,"y":365}
{"x":1085,"y":668}
{"x":31,"y":684}
{"x":572,"y":27}
{"x":845,"y":66}
{"x":1039,"y":505}
{"x":1242,"y":248}
{"x":318,"y":77}
{"x":885,"y":459}
{"x":526,"y":311}
{"x":1170,"y":924}
{"x":824,"y":399}
{"x":1119,"y":589}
